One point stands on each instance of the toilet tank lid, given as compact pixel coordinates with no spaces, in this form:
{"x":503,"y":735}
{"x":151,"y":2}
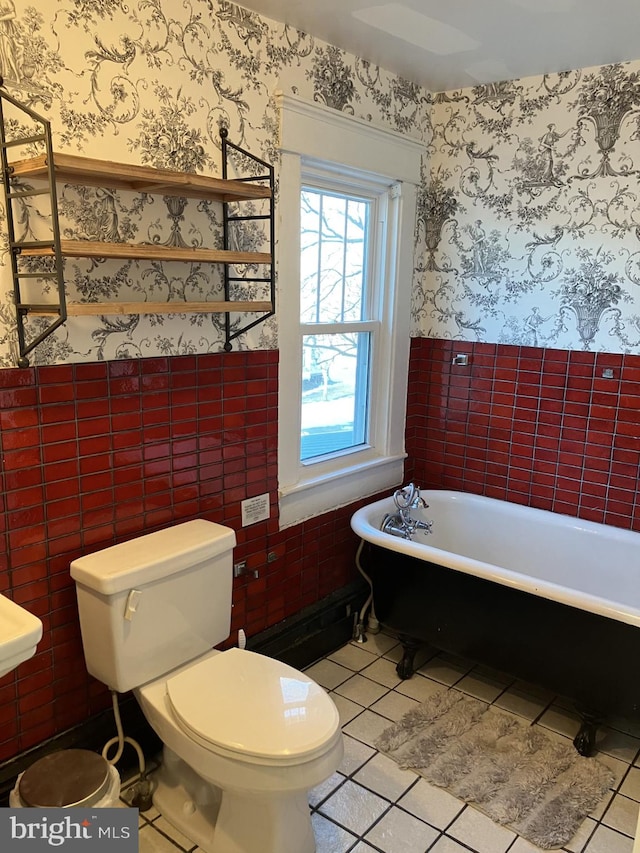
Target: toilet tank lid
{"x":152,"y":556}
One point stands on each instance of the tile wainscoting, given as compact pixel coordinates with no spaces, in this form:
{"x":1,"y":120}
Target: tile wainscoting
{"x":96,"y":453}
{"x":552,"y":429}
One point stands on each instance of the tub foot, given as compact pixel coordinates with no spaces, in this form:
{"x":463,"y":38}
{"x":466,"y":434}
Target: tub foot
{"x":405,"y":668}
{"x":585,"y":740}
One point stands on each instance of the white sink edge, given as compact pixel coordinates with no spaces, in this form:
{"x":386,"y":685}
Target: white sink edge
{"x":20,"y":633}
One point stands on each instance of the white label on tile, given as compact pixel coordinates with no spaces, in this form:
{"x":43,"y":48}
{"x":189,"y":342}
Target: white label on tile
{"x":255,"y":509}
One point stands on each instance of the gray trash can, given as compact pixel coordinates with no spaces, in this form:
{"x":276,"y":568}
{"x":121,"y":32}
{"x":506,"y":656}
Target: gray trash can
{"x":68,"y":778}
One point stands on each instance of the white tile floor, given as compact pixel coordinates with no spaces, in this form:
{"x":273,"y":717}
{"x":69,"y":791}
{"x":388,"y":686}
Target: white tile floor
{"x":372,"y":805}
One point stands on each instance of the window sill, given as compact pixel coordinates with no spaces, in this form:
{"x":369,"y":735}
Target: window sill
{"x":340,"y":488}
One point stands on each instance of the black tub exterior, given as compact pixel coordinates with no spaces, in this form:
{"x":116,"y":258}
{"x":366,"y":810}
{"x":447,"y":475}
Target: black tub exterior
{"x":581,"y":655}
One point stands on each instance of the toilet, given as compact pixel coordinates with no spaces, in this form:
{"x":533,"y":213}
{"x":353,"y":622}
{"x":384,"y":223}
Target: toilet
{"x":245,"y":737}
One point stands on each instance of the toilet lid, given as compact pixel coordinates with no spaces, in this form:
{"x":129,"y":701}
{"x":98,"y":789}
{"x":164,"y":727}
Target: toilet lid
{"x":252,"y":704}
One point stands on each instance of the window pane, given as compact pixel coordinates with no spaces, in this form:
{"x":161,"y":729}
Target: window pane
{"x":335,"y":382}
{"x":333,"y":257}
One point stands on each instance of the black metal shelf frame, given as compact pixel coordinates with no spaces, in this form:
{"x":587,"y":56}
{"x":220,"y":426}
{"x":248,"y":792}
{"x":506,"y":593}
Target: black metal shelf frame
{"x":227,"y":219}
{"x":16,"y":246}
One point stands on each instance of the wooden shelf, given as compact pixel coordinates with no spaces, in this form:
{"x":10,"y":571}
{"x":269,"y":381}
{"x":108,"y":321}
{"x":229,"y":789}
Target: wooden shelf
{"x":147,"y":252}
{"x":52,"y":167}
{"x":88,"y":309}
{"x":104,"y":173}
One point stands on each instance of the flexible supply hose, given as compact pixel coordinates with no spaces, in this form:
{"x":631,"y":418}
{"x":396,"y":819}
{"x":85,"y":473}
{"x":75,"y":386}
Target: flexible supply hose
{"x":142,"y":797}
{"x":373,"y":624}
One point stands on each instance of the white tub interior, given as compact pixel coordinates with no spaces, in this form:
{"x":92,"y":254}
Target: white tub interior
{"x":591,"y":566}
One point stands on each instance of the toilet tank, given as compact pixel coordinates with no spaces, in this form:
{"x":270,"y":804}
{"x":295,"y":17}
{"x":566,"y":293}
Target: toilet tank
{"x":155,"y":602}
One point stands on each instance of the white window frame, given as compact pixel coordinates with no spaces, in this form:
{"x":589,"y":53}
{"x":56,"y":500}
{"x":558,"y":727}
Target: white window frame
{"x":318,"y":140}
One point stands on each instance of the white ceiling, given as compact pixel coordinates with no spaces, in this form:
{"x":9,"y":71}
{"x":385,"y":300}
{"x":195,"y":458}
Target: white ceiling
{"x":449,"y":44}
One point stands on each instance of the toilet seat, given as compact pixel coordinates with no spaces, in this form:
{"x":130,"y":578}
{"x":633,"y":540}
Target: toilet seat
{"x":253,"y":707}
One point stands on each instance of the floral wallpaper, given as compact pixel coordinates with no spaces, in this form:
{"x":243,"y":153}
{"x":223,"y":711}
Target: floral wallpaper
{"x":527,"y":232}
{"x":530,"y":213}
{"x":151,"y":82}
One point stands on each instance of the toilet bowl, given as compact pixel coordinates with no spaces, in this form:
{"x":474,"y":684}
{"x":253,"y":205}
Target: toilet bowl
{"x":245,"y":737}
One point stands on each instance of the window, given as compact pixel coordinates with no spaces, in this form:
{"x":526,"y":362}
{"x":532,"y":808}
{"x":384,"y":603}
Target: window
{"x":337,"y":325}
{"x":346,"y":222}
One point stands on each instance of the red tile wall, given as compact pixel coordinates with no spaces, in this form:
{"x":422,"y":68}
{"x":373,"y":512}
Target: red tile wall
{"x":540,"y":427}
{"x":96,"y":453}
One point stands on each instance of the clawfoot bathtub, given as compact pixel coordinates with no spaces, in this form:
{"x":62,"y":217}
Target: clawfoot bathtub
{"x":545,"y":597}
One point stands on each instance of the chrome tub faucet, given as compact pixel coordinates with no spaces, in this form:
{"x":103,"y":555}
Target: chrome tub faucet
{"x":401,"y":523}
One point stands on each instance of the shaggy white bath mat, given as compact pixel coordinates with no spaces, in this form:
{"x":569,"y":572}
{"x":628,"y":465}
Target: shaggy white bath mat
{"x":513,"y":772}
